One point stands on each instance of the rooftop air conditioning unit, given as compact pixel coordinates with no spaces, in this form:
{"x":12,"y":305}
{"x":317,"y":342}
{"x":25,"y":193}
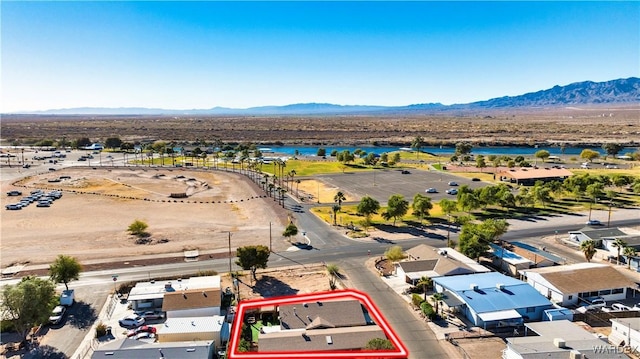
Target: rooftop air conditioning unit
{"x":574,"y":354}
{"x":500,"y":286}
{"x":473,"y":286}
{"x":559,"y":343}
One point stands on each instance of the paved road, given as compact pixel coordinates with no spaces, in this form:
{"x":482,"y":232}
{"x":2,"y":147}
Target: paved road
{"x":420,"y":341}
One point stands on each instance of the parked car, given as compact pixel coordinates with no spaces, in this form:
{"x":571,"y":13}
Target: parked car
{"x":13,"y":207}
{"x":431,"y":190}
{"x":14,"y":193}
{"x":57,"y":314}
{"x":620,"y":306}
{"x":405,"y":172}
{"x":452,"y":191}
{"x":594,"y":222}
{"x":151,"y":315}
{"x":452,"y":183}
{"x":142,"y":329}
{"x":475,"y":179}
{"x":132,"y":321}
{"x":43,"y":204}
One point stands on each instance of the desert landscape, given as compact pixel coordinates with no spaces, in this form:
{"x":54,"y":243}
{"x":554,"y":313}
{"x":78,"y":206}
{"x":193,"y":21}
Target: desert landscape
{"x":90,"y":221}
{"x":588,"y":124}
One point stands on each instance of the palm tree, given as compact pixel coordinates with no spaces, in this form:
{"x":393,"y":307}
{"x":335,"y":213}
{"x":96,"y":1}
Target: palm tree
{"x":335,"y":209}
{"x":297,"y":186}
{"x":588,"y":247}
{"x":437,"y":297}
{"x":417,"y":143}
{"x":339,"y":198}
{"x":629,"y":252}
{"x":618,"y":244}
{"x":424,"y":282}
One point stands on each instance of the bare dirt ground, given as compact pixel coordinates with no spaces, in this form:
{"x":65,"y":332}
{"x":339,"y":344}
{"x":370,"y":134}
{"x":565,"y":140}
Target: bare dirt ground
{"x":584,"y":124}
{"x":90,"y":221}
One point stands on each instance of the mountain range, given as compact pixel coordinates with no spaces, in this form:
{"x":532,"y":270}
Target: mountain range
{"x":620,"y":91}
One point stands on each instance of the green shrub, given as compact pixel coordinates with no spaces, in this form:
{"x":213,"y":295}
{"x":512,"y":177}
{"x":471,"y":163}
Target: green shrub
{"x":427,"y":310}
{"x":417,"y":300}
{"x":6,"y":326}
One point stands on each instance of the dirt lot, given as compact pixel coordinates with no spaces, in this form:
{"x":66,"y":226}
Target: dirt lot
{"x":90,"y":221}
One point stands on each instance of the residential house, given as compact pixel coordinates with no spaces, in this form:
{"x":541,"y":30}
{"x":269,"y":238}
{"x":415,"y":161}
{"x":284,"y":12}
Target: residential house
{"x":424,"y":260}
{"x":492,"y":299}
{"x":513,"y":257}
{"x":625,"y":332}
{"x":192,"y":303}
{"x":508,"y":261}
{"x":569,"y":284}
{"x":595,"y":234}
{"x":557,"y":339}
{"x":185,"y":329}
{"x":320,"y":325}
{"x":128,"y":348}
{"x":150,"y":295}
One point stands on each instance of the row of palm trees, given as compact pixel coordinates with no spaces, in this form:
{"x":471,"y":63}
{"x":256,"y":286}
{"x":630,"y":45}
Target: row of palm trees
{"x":588,"y":248}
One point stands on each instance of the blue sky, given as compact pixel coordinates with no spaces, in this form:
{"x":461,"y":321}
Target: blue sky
{"x":178,"y":55}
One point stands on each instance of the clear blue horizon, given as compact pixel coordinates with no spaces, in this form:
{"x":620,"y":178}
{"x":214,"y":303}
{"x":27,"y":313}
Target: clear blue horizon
{"x":198,"y":55}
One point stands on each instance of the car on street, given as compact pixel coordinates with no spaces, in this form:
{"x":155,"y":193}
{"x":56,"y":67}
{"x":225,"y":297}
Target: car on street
{"x":151,"y":315}
{"x":594,"y":222}
{"x":405,"y":172}
{"x":431,"y":190}
{"x":452,"y":191}
{"x":142,"y":329}
{"x":452,"y":183}
{"x":56,"y":314}
{"x":14,"y":193}
{"x":132,"y":321}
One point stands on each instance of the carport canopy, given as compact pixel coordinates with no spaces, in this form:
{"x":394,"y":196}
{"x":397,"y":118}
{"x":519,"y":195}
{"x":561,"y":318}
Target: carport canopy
{"x":451,"y":300}
{"x":500,"y":315}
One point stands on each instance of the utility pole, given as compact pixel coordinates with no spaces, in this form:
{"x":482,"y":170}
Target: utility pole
{"x":270,"y":250}
{"x":229,"y":253}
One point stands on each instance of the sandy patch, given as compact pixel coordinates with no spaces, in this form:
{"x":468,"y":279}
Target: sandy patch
{"x":97,"y":206}
{"x":309,"y":190}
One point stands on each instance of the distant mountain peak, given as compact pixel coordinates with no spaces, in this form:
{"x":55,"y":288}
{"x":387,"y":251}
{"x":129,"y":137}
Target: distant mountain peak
{"x":578,"y":93}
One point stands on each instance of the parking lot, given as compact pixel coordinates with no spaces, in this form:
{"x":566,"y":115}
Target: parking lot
{"x":381,"y":184}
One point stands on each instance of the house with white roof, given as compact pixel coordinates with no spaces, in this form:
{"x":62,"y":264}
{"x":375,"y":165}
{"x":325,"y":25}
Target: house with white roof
{"x":595,"y":234}
{"x":186,"y":329}
{"x":570,"y":284}
{"x":558,"y":339}
{"x":150,"y":295}
{"x":492,"y":299}
{"x":424,"y":260}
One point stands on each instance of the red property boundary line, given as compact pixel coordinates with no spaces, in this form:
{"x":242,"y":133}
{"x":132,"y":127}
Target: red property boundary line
{"x":400,"y":352}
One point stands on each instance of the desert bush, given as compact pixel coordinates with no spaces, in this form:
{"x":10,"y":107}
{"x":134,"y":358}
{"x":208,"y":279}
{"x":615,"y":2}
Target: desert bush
{"x":428,"y":311}
{"x":101,"y":330}
{"x":417,"y":300}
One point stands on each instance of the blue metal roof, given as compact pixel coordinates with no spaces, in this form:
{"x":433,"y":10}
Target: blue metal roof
{"x":487,"y":297}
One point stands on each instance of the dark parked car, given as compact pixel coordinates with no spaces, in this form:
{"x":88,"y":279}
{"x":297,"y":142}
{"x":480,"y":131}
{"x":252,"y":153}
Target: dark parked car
{"x":14,"y":193}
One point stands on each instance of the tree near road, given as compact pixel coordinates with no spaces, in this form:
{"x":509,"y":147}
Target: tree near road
{"x":253,"y":257}
{"x":589,"y":155}
{"x":28,"y":303}
{"x":339,"y":198}
{"x":542,"y":154}
{"x":64,"y":269}
{"x":394,"y":254}
{"x":463,"y":148}
{"x":397,"y":207}
{"x":588,"y":247}
{"x":367,"y":207}
{"x":290,"y":230}
{"x":421,"y":206}
{"x":612,"y":148}
{"x":619,"y":244}
{"x":426,"y":283}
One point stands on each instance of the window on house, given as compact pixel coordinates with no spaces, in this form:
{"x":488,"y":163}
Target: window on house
{"x":617,"y":291}
{"x":604,"y":292}
{"x":570,"y":297}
